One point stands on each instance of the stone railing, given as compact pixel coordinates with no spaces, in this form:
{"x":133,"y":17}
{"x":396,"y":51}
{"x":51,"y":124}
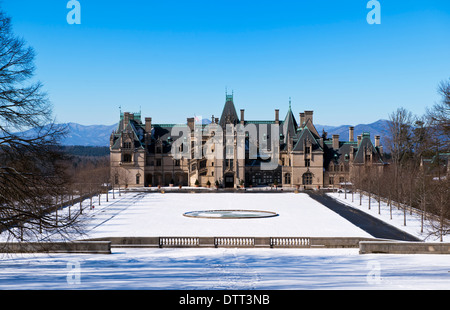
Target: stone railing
{"x":299,"y":242}
{"x":238,"y":242}
{"x":234,"y":242}
{"x":178,"y":242}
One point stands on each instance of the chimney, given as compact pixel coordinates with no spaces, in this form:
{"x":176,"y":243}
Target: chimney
{"x":377,"y":141}
{"x":277,"y":116}
{"x":242,"y":116}
{"x":148,"y":124}
{"x":212,"y":119}
{"x":351,"y":136}
{"x":335,"y":142}
{"x":359,"y":140}
{"x":302,"y":118}
{"x":216,"y":120}
{"x":309,"y":116}
{"x":190,"y":123}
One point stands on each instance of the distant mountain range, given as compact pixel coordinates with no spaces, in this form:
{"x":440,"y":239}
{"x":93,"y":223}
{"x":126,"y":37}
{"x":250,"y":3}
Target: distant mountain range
{"x":98,"y":135}
{"x":379,"y":127}
{"x":81,"y":135}
{"x":90,"y":135}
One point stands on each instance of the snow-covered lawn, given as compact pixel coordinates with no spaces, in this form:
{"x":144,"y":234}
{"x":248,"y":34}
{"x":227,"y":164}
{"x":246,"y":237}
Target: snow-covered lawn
{"x":413,"y":222}
{"x":156,"y":214}
{"x":225,"y":269}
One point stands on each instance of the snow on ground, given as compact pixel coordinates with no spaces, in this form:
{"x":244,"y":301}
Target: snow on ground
{"x":413,"y":222}
{"x":156,"y":214}
{"x":229,"y":269}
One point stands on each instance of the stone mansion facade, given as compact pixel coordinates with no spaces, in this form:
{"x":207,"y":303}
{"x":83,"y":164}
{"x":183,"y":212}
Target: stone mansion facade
{"x":142,"y":153}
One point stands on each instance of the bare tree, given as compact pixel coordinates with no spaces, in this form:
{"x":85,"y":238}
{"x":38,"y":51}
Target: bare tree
{"x":439,"y":116}
{"x":31,"y":165}
{"x":438,"y":193}
{"x":439,"y":197}
{"x":400,"y":145}
{"x":400,"y":139}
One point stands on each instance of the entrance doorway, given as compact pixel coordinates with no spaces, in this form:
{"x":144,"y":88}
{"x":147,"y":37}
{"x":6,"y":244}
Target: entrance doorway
{"x":229,"y":180}
{"x":148,"y":179}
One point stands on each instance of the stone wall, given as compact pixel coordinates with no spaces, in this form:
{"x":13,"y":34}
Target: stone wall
{"x":382,"y":247}
{"x":91,"y":247}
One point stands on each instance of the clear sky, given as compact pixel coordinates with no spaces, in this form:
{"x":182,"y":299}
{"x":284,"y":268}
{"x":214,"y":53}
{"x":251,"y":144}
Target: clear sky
{"x":173,"y":59}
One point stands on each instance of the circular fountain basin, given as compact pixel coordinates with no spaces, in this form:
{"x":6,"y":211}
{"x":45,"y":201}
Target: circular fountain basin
{"x":230,"y":214}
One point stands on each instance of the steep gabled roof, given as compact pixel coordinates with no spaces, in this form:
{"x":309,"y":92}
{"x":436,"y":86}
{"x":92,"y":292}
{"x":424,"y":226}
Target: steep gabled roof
{"x":309,"y":124}
{"x":306,"y":135}
{"x":366,"y":144}
{"x":229,"y":114}
{"x":133,"y":129}
{"x":289,"y":125}
{"x":341,"y":155}
{"x":161,"y":134}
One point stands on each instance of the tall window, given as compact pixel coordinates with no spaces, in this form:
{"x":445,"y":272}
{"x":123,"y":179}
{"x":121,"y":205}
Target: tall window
{"x":307,"y":178}
{"x":287,"y":178}
{"x":277,"y":177}
{"x":138,"y":178}
{"x":127,"y":158}
{"x":202,"y":164}
{"x":307,"y":162}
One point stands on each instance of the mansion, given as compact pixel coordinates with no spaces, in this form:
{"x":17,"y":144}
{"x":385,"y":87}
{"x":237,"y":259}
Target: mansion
{"x":143,"y":153}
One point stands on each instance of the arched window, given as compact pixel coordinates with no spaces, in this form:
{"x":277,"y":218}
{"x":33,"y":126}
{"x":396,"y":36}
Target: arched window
{"x":307,"y":178}
{"x":138,"y":178}
{"x":287,"y":178}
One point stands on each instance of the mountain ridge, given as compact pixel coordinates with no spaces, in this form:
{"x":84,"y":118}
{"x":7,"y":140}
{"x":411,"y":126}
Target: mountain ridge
{"x":379,"y":127}
{"x":98,"y":135}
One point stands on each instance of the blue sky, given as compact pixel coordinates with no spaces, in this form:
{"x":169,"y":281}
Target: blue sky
{"x":174,"y":59}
